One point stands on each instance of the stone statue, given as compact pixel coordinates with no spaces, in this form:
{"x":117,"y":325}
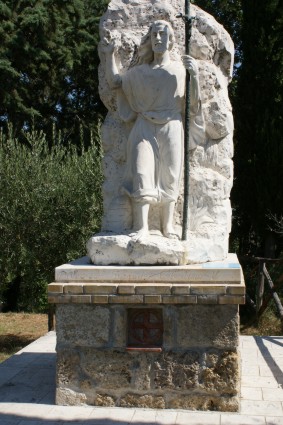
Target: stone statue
{"x":142,"y":84}
{"x":154,"y":90}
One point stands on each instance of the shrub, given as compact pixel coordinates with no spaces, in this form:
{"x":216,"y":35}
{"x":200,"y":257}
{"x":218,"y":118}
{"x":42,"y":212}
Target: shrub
{"x":50,"y":203}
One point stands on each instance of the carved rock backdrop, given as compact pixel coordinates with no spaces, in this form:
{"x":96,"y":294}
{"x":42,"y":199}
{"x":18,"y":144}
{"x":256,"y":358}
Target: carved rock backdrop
{"x":211,"y":166}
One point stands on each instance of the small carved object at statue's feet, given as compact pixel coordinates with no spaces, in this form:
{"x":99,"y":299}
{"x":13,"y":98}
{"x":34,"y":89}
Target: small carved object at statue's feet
{"x":140,"y":235}
{"x":169,"y":232}
{"x":171,"y":235}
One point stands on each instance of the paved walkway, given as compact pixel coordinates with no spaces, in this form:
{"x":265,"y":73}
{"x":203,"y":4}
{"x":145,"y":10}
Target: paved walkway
{"x":27,"y":389}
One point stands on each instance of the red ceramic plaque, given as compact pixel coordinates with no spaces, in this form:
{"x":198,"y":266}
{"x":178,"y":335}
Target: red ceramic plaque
{"x":145,"y":327}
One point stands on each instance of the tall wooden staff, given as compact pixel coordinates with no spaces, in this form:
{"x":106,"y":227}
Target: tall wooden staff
{"x":188,"y":32}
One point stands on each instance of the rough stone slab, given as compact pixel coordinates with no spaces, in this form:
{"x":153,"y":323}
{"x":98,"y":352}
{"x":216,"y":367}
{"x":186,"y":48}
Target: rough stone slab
{"x":80,"y":299}
{"x":231,"y":299}
{"x":181,"y":289}
{"x":236,"y":290}
{"x":54,"y":287}
{"x":99,"y":299}
{"x":207,"y":299}
{"x":200,"y":402}
{"x":274,"y":420}
{"x":131,"y":284}
{"x":207,"y":325}
{"x":73,"y":289}
{"x":253,"y":393}
{"x":191,"y":379}
{"x":228,"y":271}
{"x":126,"y":289}
{"x":185,"y":326}
{"x":198,"y":418}
{"x":83,"y":325}
{"x":152,"y":299}
{"x":121,"y":249}
{"x":136,"y":400}
{"x":59,"y":299}
{"x":179,"y":299}
{"x":262,"y":407}
{"x":208,"y":290}
{"x":153,"y":289}
{"x":126,"y":299}
{"x":100,"y":289}
{"x":243,"y":420}
{"x":162,"y":294}
{"x":105,"y":249}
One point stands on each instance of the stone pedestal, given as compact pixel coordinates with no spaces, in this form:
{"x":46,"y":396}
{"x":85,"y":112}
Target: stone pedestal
{"x":144,"y":336}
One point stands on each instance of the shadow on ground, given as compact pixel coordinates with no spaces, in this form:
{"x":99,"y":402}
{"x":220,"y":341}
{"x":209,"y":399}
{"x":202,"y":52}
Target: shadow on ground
{"x":9,"y":343}
{"x":33,"y":420}
{"x":270,"y":361}
{"x":28,"y":378}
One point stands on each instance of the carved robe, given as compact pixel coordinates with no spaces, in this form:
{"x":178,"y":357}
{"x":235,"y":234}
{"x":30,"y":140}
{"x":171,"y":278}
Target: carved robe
{"x":154,"y":98}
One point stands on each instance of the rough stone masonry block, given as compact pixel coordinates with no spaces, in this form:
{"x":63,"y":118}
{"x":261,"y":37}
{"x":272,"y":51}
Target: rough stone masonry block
{"x":118,"y":331}
{"x":220,"y":374}
{"x":65,"y":396}
{"x":179,"y":371}
{"x":110,"y":370}
{"x":194,"y":379}
{"x":145,"y":401}
{"x":104,"y":400}
{"x":197,"y":366}
{"x":203,"y":402}
{"x":208,"y":326}
{"x":67,"y":370}
{"x":82,"y":325}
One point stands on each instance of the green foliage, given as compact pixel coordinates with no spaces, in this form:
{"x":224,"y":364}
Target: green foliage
{"x":50,"y":203}
{"x":48,"y":64}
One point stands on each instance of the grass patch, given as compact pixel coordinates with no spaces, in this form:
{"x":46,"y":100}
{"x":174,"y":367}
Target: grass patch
{"x":269,"y":324}
{"x":18,"y":330}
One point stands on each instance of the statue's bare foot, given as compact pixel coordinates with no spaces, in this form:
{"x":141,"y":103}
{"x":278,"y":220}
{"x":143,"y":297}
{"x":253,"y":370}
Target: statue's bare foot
{"x":139,"y":235}
{"x":170,"y":233}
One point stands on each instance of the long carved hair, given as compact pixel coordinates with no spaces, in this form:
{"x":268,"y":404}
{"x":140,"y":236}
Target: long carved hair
{"x":145,"y":52}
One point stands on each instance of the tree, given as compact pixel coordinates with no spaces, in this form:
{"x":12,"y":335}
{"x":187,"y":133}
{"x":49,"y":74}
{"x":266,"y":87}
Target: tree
{"x":229,"y":14}
{"x":50,"y":203}
{"x":48,"y":63}
{"x":258,"y":189}
{"x":256,"y":95}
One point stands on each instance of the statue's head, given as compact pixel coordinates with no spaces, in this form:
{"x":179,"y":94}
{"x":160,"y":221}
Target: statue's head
{"x":160,"y":37}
